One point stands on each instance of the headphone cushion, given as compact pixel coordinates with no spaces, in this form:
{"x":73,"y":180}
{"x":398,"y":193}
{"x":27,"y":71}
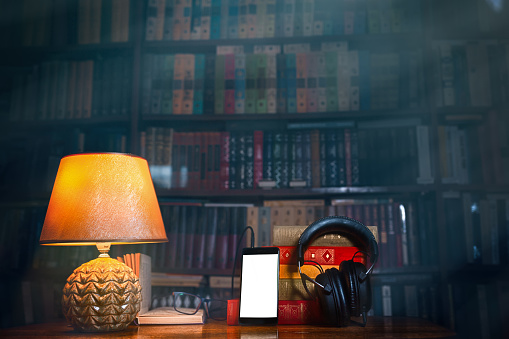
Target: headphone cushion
{"x":343,"y":317}
{"x":364,"y":288}
{"x":328,"y":302}
{"x":351,"y":285}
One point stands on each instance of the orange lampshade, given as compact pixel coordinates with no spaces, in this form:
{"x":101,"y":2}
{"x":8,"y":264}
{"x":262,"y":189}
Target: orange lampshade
{"x":103,"y":197}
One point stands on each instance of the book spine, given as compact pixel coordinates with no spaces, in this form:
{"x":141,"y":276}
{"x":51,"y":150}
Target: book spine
{"x":322,"y":255}
{"x":206,"y":18}
{"x":189,"y":76}
{"x":229,"y":84}
{"x":301,"y":80}
{"x":199,"y":80}
{"x":233,"y":19}
{"x":261,"y":83}
{"x":167,"y":84}
{"x":240,"y":83}
{"x":211,"y":234}
{"x":168,"y":20}
{"x":224,"y":176}
{"x":291,"y":83}
{"x":209,"y":85}
{"x":258,"y":164}
{"x":215,"y":19}
{"x":221,"y":240}
{"x":196,"y":15}
{"x":312,"y":82}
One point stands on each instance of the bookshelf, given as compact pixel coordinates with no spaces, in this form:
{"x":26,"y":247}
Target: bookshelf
{"x":423,"y":100}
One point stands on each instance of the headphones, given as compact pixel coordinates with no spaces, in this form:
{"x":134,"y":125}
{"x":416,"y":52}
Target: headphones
{"x":345,"y":292}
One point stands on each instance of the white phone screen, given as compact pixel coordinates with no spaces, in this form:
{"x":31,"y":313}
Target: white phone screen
{"x":259,"y":288}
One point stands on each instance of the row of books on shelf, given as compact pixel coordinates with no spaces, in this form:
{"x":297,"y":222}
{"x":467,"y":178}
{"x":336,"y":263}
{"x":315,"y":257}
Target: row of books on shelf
{"x":483,"y":239}
{"x":70,"y":89}
{"x":471,"y":73}
{"x":287,"y":159}
{"x":475,"y":152}
{"x":62,"y":22}
{"x":206,"y":235}
{"x":241,"y":19}
{"x":271,"y":79}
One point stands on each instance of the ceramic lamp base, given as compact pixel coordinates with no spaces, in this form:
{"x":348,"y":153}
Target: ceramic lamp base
{"x":101,"y":295}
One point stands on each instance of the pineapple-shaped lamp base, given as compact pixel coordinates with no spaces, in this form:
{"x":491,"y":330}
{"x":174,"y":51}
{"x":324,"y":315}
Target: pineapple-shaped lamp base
{"x":101,"y":295}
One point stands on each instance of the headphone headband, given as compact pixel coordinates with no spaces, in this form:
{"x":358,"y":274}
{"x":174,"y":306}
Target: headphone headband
{"x":352,"y":228}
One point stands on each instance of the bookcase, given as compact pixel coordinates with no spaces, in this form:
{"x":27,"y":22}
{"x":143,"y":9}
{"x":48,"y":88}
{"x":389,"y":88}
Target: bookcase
{"x":392,"y":112}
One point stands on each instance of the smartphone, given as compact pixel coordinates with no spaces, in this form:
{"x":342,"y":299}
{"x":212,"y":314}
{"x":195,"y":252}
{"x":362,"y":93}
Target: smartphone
{"x":259,"y":286}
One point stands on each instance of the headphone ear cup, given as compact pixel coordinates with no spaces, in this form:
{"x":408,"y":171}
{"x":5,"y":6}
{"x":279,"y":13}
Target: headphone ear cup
{"x":327,"y":301}
{"x":351,"y":286}
{"x":359,"y":292}
{"x":343,"y":316}
{"x":364,"y":288}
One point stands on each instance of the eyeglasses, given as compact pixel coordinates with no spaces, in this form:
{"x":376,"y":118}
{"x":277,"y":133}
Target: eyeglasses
{"x":187,"y":303}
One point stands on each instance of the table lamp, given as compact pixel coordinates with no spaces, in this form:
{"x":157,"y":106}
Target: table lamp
{"x":102,"y":199}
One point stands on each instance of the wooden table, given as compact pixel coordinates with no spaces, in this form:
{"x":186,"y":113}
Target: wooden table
{"x":377,"y":327}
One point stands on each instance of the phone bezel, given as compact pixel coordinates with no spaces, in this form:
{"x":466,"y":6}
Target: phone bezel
{"x":259,"y":321}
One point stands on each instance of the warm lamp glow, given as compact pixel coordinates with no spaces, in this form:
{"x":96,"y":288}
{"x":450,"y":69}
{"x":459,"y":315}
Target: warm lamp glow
{"x":103,"y":197}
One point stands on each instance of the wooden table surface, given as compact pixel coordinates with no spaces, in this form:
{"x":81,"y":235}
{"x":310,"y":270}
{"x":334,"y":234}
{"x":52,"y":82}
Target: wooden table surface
{"x":377,"y":327}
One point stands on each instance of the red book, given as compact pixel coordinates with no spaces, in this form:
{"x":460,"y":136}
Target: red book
{"x":257,"y":158}
{"x":323,"y":255}
{"x":290,"y":312}
{"x":298,"y":312}
{"x":229,"y":83}
{"x":216,"y":161}
{"x":224,"y":177}
{"x":207,"y":160}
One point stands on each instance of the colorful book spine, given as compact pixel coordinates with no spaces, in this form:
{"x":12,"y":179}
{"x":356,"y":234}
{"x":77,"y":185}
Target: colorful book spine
{"x":199,"y":82}
{"x":168,"y":20}
{"x":243,"y":12}
{"x":155,"y":20}
{"x":167,"y":84}
{"x":196,"y":14}
{"x":257,"y":157}
{"x":233,"y":19}
{"x":240,"y":83}
{"x":206,"y":15}
{"x":224,"y":175}
{"x":271,"y":81}
{"x":187,"y":11}
{"x":353,"y":62}
{"x":189,"y":76}
{"x":269,"y":23}
{"x":251,"y":92}
{"x":291,"y":83}
{"x":229,"y":84}
{"x":308,"y":17}
{"x":343,"y":81}
{"x":178,"y":84}
{"x":219,"y":87}
{"x":215,"y":19}
{"x":281,"y":82}
{"x":312,"y":82}
{"x":288,"y":18}
{"x":261,"y":80}
{"x":301,"y":77}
